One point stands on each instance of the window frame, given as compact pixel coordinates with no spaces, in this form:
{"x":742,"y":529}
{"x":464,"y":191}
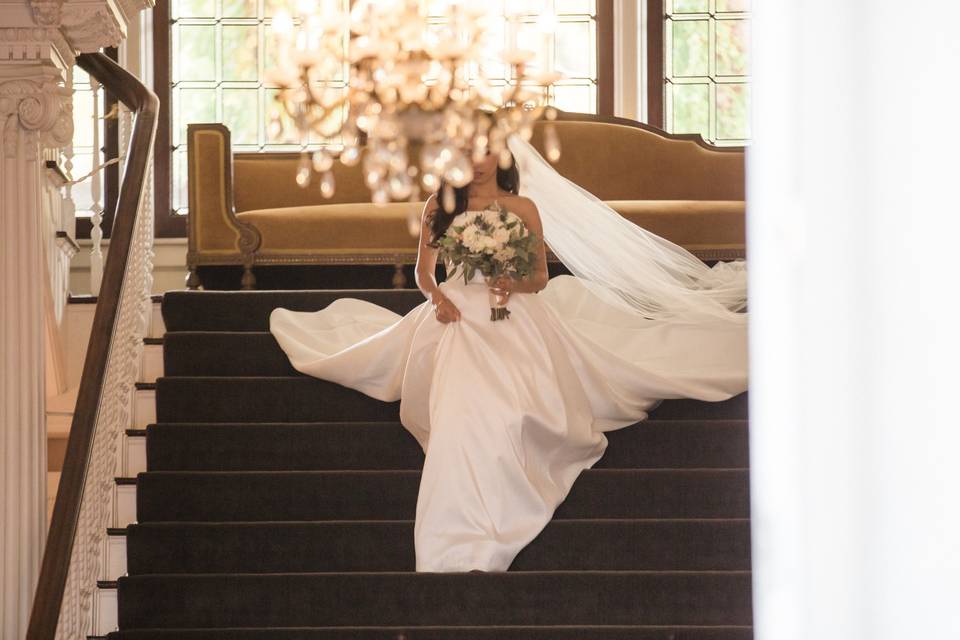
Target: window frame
{"x":169,"y":224}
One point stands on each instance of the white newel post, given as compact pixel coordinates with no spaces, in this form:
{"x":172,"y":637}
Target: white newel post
{"x":38,"y":41}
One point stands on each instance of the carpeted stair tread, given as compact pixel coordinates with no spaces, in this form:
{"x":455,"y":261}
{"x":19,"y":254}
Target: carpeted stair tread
{"x":250,"y":310}
{"x":224,"y":353}
{"x":425,"y":598}
{"x":388,"y":445}
{"x":223,"y":399}
{"x":306,"y":399}
{"x":553,"y":632}
{"x":303,"y":547}
{"x":392,"y":495}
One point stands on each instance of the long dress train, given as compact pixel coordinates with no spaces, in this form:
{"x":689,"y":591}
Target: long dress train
{"x":509,"y":413}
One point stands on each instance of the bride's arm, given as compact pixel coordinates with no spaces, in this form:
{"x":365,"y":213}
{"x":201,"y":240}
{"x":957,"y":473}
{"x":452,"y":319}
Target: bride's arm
{"x":539,"y":277}
{"x":426,"y":270}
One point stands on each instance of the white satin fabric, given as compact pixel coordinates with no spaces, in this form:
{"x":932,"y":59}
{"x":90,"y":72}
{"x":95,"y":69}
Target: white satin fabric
{"x":509,"y":413}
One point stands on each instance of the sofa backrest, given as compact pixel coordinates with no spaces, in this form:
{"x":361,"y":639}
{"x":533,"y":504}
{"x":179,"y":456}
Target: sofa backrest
{"x":613,"y":158}
{"x":617,"y":161}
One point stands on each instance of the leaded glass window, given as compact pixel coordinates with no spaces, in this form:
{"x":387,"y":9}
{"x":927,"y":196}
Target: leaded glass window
{"x":706,"y":69}
{"x":220,"y":50}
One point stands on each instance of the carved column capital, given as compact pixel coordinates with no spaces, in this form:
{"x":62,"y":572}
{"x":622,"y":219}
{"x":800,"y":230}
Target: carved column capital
{"x":40,"y":106}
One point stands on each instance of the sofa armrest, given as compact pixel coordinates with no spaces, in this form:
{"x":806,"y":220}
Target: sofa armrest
{"x":215,"y":235}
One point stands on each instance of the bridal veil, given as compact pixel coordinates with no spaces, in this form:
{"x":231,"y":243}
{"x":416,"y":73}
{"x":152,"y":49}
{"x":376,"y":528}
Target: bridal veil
{"x":620,"y":261}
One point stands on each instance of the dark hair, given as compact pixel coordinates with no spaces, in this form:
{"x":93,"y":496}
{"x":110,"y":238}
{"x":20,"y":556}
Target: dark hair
{"x":507,"y":179}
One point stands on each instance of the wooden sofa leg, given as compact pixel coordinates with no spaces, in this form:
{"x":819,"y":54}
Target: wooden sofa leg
{"x":399,"y":278}
{"x":193,"y":280}
{"x":248,"y":281}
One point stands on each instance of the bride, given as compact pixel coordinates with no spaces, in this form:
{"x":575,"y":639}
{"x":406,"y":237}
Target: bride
{"x":509,"y":413}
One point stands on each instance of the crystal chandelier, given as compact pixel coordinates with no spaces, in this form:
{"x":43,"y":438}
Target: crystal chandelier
{"x":414,"y":87}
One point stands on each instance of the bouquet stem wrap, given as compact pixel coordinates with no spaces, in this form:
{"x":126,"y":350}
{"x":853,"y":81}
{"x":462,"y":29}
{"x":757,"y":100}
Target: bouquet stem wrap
{"x":498,"y":304}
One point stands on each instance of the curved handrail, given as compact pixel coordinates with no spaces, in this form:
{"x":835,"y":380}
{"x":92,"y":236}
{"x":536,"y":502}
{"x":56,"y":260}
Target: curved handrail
{"x":59,"y":550}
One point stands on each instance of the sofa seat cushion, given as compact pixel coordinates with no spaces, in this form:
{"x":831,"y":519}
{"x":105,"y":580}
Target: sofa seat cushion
{"x":364,"y":228}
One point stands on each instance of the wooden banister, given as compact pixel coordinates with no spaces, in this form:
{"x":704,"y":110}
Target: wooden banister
{"x":124,"y":244}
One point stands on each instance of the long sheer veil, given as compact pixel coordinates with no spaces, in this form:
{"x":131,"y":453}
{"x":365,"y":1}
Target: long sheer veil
{"x":621,"y":261}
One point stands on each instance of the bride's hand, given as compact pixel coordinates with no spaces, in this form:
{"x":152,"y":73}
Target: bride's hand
{"x":445,"y":310}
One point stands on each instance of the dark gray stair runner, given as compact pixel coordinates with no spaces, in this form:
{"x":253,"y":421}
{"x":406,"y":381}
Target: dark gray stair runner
{"x":277,"y":506}
{"x":282,"y":446}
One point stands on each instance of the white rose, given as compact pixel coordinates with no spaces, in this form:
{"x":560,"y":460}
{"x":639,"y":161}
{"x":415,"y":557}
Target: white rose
{"x":469,"y":233}
{"x":505,"y":254}
{"x":501,"y":235}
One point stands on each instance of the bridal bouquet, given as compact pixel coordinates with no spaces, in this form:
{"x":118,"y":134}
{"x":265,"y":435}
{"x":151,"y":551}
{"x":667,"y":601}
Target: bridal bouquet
{"x":494,"y":242}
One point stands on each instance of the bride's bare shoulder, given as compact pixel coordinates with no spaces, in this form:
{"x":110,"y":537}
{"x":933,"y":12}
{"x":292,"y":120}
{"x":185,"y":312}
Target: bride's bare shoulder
{"x":518,"y":203}
{"x":523,"y":207}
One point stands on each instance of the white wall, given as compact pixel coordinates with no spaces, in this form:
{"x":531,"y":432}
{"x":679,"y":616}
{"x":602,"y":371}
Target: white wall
{"x":853,"y":225}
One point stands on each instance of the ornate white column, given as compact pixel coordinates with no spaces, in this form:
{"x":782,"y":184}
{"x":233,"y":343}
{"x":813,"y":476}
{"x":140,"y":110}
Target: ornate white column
{"x":34,"y":111}
{"x":38,"y":41}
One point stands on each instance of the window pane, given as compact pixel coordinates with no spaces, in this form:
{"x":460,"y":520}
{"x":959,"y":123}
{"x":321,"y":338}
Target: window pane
{"x":732,"y":112}
{"x":239,"y":8}
{"x":574,"y":50}
{"x":82,"y":117}
{"x":272,"y":6}
{"x":239,"y":52}
{"x":287,"y":134}
{"x":241,"y":115}
{"x":733,"y":37}
{"x":724,"y":6}
{"x":81,"y":191}
{"x":179,"y":190}
{"x":691,"y":109}
{"x":690,"y":6}
{"x":196,"y":52}
{"x":195,"y":105}
{"x":586,"y":7}
{"x":577,"y":98}
{"x":690,"y":47}
{"x":193,"y":8}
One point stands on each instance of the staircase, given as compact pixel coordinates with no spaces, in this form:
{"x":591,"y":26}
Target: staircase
{"x":277,"y":506}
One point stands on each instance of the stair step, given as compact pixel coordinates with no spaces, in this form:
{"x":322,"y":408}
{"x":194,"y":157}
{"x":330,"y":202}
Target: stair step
{"x":553,"y":632}
{"x":392,"y":495}
{"x":306,"y":547}
{"x":405,"y":598}
{"x":306,"y":399}
{"x":224,"y":353}
{"x":388,"y":445}
{"x":216,"y":399}
{"x":250,"y":310}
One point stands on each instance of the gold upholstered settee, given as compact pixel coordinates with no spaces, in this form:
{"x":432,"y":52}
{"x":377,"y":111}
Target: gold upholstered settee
{"x":246,"y":208}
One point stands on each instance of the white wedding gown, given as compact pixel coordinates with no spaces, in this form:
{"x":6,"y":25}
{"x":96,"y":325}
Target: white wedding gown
{"x":508,"y":413}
